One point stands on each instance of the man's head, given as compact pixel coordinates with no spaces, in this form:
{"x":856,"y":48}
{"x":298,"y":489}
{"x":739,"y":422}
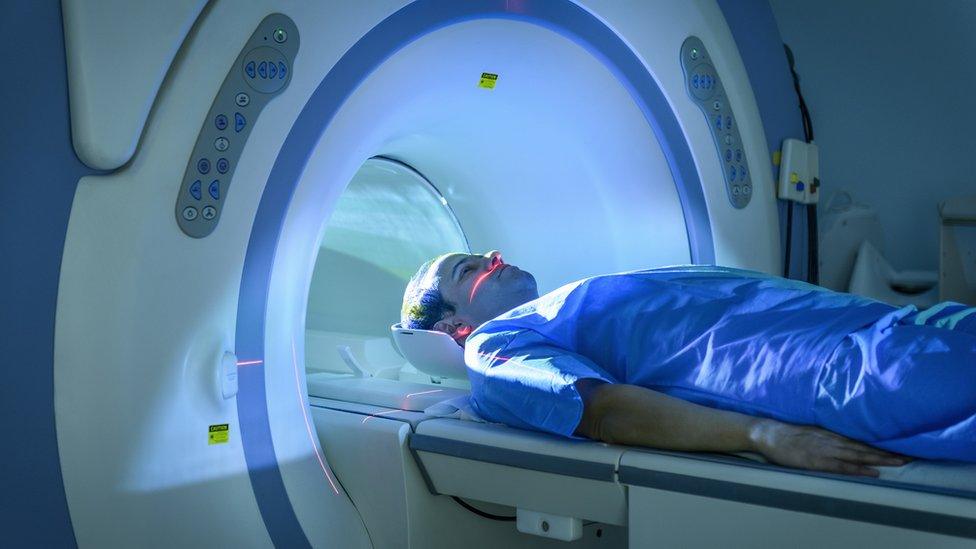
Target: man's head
{"x":456,"y":293}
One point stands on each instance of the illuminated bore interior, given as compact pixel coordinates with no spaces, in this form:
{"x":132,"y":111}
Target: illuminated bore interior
{"x":556,"y":166}
{"x":389,"y":221}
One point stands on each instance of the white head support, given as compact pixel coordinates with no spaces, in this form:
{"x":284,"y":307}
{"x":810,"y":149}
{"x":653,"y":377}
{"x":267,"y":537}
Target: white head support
{"x":433,"y":353}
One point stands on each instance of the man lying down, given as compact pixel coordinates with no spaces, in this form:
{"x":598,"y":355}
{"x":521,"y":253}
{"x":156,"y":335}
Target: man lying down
{"x":709,"y":359}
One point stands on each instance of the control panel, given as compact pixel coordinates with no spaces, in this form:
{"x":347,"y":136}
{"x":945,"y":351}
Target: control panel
{"x":706,"y":90}
{"x":260,"y":72}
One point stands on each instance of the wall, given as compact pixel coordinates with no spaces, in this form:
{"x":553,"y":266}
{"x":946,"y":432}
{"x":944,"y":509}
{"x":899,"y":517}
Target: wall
{"x":892,"y":91}
{"x":38,"y":175}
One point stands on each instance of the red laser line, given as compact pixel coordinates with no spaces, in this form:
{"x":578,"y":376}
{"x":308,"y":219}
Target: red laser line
{"x":481,"y":278}
{"x":423,"y":393}
{"x":406,"y":398}
{"x":308,"y":427}
{"x":371,"y":416}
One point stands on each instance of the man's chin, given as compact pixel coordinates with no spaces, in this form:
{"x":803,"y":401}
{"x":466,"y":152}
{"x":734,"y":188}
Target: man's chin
{"x":528,"y":285}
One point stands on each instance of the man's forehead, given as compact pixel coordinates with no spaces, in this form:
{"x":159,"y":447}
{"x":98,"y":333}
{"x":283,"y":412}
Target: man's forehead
{"x":445,"y":264}
{"x":442,"y":266}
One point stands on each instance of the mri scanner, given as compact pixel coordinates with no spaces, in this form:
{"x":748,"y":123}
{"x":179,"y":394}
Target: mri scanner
{"x":164,"y":399}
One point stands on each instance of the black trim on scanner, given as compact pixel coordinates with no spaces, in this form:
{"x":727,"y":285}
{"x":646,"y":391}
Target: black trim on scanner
{"x":514,"y":458}
{"x":804,"y":503}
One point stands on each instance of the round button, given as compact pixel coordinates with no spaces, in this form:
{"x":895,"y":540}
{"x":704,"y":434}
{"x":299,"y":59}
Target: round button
{"x":220,"y":121}
{"x":728,"y":122}
{"x":221,"y":143}
{"x":223,"y":165}
{"x":735,"y":192}
{"x":738,"y":155}
{"x":258,"y":72}
{"x":728,"y":155}
{"x":743,"y":173}
{"x":242,"y":99}
{"x":203,"y":166}
{"x":728,"y":139}
{"x":279,"y":35}
{"x":717,"y":105}
{"x":732,"y":174}
{"x":694,"y":53}
{"x":208,"y":213}
{"x":190,"y":213}
{"x":747,"y":189}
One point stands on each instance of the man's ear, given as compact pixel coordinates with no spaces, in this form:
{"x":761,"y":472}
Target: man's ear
{"x":454,"y":327}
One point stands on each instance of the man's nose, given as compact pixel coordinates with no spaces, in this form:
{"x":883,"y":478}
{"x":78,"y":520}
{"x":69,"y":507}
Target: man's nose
{"x":494,"y":258}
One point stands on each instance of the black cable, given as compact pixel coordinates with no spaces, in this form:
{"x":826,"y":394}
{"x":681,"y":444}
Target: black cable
{"x":813,"y":245}
{"x":789,"y":239}
{"x":481,"y":513}
{"x":804,"y":111}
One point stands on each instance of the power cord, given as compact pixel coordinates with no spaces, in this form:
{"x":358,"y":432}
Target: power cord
{"x":789,"y":239}
{"x":479,"y":512}
{"x":804,"y":111}
{"x":813,"y":244}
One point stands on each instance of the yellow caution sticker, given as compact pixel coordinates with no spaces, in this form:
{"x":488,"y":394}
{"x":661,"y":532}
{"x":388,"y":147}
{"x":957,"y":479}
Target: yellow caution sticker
{"x":218,"y":434}
{"x":488,"y":80}
{"x":777,"y":157}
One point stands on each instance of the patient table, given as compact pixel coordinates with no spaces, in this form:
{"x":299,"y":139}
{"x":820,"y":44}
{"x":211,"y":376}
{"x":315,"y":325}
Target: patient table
{"x":666,"y":498}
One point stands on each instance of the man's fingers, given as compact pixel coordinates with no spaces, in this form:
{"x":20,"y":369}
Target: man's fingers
{"x":866,"y":448}
{"x":846,"y":468}
{"x":869,"y":458}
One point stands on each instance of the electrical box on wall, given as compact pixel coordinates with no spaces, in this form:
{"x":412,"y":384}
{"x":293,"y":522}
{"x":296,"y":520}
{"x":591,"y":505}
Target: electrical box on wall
{"x":799,"y":172}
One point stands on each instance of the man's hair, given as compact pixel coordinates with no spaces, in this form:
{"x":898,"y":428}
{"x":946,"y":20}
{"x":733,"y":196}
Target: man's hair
{"x":423,"y":303}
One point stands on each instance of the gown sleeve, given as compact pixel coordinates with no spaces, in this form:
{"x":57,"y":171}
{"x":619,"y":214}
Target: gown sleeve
{"x":522,"y":380}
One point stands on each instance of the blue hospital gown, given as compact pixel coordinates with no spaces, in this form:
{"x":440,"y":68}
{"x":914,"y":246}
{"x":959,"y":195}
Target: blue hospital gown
{"x":741,"y":341}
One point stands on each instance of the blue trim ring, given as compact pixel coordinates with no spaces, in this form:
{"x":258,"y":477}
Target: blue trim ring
{"x":400,"y":29}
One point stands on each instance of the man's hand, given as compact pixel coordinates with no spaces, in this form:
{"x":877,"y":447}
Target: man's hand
{"x":628,"y":414}
{"x":809,"y":447}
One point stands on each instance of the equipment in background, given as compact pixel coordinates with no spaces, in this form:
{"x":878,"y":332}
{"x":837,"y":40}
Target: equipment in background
{"x":874,"y":277}
{"x":853,"y":257}
{"x":957,"y":250}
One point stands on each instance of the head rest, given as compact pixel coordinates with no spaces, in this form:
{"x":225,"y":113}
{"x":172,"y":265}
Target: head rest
{"x":433,"y":353}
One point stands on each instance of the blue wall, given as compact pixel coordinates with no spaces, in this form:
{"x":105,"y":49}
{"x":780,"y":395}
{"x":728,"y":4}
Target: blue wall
{"x":892,"y":92}
{"x":38,"y":175}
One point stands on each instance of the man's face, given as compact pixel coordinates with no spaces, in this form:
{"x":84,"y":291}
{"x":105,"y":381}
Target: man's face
{"x":481,"y":287}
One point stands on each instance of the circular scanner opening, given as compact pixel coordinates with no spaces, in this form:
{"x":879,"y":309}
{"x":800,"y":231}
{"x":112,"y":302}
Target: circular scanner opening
{"x":556,"y":166}
{"x":389,"y":220}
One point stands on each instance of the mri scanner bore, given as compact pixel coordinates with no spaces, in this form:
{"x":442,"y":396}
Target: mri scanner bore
{"x":241,"y":191}
{"x":389,"y":219}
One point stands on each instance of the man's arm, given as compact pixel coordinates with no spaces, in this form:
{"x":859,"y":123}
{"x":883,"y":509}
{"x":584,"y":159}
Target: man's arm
{"x":628,"y":414}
